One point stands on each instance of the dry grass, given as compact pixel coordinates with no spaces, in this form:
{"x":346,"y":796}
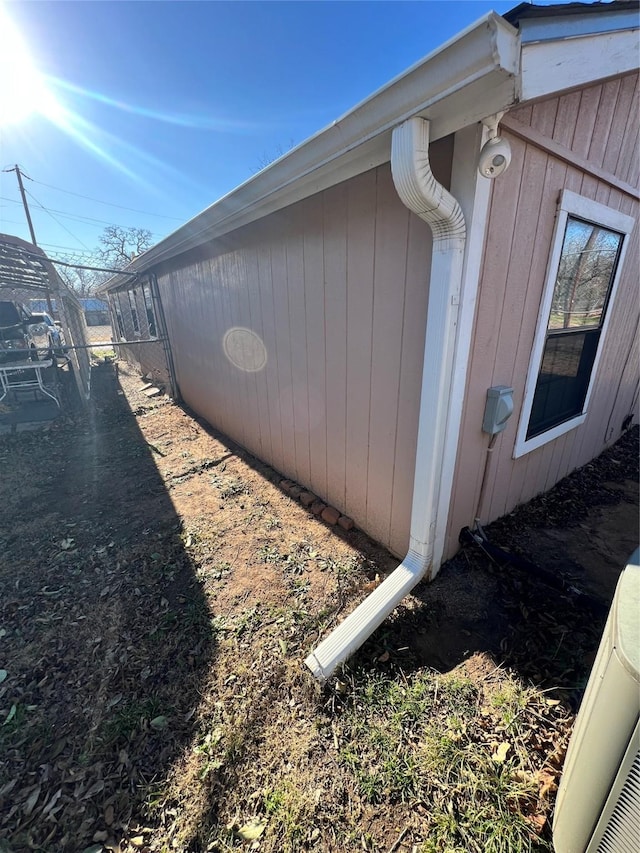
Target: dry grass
{"x":159,"y":595}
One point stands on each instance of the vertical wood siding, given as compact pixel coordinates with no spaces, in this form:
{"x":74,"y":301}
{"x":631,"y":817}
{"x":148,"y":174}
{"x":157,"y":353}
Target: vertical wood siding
{"x":599,"y":124}
{"x":336,"y":288}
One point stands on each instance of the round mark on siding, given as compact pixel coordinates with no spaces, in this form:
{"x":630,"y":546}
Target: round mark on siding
{"x":244,"y":349}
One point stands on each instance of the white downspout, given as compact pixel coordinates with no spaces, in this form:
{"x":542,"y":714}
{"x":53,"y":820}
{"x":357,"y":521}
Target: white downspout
{"x":421,"y":193}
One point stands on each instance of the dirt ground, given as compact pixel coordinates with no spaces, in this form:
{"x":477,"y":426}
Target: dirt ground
{"x":158,"y":585}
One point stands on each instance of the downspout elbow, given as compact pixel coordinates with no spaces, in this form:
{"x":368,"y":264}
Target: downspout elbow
{"x":419,"y":189}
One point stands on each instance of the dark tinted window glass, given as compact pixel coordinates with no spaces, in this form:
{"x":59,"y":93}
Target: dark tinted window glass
{"x":563,"y":380}
{"x":8,"y":314}
{"x":585,"y":274}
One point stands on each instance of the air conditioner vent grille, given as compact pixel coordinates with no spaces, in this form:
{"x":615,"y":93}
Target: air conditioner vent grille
{"x":622,"y":834}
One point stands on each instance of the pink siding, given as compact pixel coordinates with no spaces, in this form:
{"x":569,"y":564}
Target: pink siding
{"x":598,"y":124}
{"x":336,"y":287}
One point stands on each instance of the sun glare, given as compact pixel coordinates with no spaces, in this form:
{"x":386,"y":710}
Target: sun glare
{"x":23,"y":91}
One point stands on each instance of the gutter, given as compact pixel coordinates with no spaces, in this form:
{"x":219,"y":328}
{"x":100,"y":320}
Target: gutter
{"x":421,"y":193}
{"x":473,"y":75}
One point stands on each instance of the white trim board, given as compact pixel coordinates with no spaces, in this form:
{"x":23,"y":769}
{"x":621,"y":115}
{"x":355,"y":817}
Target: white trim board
{"x":570,"y":63}
{"x":569,"y":204}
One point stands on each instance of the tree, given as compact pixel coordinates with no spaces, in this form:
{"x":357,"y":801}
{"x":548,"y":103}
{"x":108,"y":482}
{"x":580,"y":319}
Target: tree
{"x":118,"y":246}
{"x":83,"y":282}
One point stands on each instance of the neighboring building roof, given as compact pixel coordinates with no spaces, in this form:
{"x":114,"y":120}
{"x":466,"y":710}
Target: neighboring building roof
{"x":92,"y":304}
{"x":486,"y":69}
{"x":568,"y":20}
{"x":87,"y":303}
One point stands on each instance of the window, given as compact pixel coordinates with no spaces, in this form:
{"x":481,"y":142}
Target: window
{"x":134,"y":312}
{"x":584,"y":269}
{"x":118,"y":312}
{"x":151,"y":317}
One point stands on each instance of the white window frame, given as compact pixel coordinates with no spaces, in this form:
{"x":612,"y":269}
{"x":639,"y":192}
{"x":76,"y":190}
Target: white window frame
{"x":569,"y":204}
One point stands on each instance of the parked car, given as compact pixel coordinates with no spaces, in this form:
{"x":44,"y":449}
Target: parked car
{"x":47,"y":334}
{"x":17,"y":342}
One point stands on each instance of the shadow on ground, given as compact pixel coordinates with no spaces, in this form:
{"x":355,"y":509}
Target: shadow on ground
{"x":105,"y":632}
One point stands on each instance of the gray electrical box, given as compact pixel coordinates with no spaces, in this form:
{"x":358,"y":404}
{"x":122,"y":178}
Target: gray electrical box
{"x":498,"y":409}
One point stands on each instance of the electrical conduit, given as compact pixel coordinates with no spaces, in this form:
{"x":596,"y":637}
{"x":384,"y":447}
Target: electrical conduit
{"x":421,"y":193}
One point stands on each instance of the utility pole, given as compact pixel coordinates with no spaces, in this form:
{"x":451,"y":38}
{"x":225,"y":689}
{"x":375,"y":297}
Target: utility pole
{"x":27,"y":213}
{"x":16,"y":169}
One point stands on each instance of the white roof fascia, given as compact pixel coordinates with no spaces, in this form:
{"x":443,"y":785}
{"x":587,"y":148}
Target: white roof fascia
{"x":550,"y":67}
{"x":473,"y":75}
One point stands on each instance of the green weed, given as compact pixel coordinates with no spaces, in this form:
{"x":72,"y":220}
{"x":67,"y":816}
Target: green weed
{"x":128,"y":719}
{"x":424,"y":739}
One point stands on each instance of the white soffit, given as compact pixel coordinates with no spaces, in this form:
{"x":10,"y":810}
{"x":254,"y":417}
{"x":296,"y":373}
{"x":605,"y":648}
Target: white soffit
{"x":551,"y":67}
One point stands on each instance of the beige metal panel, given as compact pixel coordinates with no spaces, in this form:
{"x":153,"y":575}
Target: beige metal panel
{"x":603,"y":128}
{"x":361,"y":231}
{"x":336,"y":289}
{"x":543,"y":116}
{"x":627,"y":164}
{"x":583,"y":132}
{"x":491,"y":296}
{"x":298,"y":340}
{"x":413,"y":342}
{"x":518,"y":317}
{"x":566,"y":117}
{"x":250,"y":300}
{"x":594,"y":123}
{"x":392,"y":223}
{"x":270,"y":374}
{"x":622,"y":115}
{"x":312,"y":218}
{"x":283,"y":409}
{"x":335,"y":318}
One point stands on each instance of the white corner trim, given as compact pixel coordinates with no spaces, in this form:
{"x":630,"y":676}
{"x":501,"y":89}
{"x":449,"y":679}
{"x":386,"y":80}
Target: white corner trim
{"x":473,"y":193}
{"x":553,"y":66}
{"x":592,"y":211}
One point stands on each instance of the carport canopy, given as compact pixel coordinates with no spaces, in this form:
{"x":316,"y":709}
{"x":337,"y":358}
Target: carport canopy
{"x":24,"y":266}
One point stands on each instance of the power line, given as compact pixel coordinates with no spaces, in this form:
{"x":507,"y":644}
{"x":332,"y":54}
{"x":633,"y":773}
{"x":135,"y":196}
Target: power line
{"x":74,"y":217}
{"x":61,"y":224}
{"x":109,"y":203}
{"x":10,"y":221}
{"x":73,"y":250}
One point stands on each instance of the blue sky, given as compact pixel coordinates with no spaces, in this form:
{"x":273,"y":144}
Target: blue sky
{"x":179,"y":102}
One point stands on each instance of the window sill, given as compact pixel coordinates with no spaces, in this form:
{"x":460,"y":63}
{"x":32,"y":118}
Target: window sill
{"x":524,"y":446}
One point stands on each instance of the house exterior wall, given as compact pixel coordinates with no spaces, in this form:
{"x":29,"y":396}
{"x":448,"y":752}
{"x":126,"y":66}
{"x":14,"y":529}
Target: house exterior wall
{"x":301,"y":336}
{"x":593,"y":134}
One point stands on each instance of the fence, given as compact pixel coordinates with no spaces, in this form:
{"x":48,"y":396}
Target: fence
{"x":136,"y":331}
{"x":27,"y":275}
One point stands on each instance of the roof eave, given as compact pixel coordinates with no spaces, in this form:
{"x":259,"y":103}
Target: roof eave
{"x":471,"y":76}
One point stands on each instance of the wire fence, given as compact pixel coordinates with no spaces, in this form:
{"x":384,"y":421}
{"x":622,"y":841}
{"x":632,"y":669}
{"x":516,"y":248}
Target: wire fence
{"x":67,"y":339}
{"x":44,"y":320}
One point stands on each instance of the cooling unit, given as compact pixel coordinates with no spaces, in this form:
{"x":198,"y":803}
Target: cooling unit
{"x":598,"y":805}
